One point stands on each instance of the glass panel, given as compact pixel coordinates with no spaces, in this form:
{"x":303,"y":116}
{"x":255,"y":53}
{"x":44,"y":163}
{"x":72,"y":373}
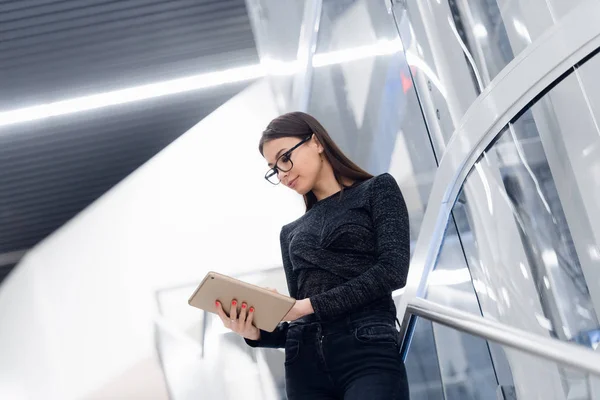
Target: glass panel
{"x":443,"y":363}
{"x":363,"y":94}
{"x":538,"y":378}
{"x":422,"y":366}
{"x":465,"y":364}
{"x":457,"y":47}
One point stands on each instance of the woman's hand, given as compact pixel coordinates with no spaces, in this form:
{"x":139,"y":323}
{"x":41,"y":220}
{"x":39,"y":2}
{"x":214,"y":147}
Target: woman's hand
{"x":240,"y":324}
{"x":301,"y":308}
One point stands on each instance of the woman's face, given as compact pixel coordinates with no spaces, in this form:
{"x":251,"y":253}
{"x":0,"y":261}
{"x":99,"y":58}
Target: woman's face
{"x":306,"y":160}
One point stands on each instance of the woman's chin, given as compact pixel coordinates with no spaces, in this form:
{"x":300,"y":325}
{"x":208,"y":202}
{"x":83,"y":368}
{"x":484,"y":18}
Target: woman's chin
{"x":300,"y":190}
{"x":300,"y":187}
{"x":303,"y":192}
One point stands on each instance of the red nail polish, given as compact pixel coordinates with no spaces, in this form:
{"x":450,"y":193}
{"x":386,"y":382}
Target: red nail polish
{"x":243,"y":306}
{"x":251,"y":309}
{"x":217,"y":303}
{"x":234,"y":303}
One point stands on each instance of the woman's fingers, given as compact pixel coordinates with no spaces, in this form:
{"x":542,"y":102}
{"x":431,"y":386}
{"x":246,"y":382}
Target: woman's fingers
{"x":238,"y":322}
{"x":250,"y":319}
{"x":233,"y":314}
{"x":222,"y":315}
{"x":243,"y":313}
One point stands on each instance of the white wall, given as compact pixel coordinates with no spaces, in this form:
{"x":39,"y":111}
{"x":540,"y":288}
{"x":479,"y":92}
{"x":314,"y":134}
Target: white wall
{"x":77,"y":313}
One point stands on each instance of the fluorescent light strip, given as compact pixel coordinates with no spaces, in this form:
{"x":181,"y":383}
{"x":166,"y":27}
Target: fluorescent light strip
{"x":132,"y":94}
{"x":196,"y":82}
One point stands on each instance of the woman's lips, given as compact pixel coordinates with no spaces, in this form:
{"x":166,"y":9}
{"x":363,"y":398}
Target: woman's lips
{"x":292,"y":183}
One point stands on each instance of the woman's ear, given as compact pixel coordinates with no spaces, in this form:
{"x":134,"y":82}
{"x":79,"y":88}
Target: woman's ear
{"x":318,"y":144}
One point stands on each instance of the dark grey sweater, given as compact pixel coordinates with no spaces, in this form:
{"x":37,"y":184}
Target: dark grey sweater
{"x":347,"y":254}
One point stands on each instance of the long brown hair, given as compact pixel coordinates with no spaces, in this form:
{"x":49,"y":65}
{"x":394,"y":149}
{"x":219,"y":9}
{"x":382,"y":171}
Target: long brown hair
{"x":301,"y":125}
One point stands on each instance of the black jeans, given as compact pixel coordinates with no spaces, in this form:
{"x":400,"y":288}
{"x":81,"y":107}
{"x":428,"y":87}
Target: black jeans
{"x":353,"y":358}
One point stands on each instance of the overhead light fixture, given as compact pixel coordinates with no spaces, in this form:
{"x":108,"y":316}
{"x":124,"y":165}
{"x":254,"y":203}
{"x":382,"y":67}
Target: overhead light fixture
{"x":191,"y":83}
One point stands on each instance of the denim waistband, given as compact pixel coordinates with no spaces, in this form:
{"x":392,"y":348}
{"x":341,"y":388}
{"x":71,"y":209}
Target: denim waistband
{"x":343,"y":324}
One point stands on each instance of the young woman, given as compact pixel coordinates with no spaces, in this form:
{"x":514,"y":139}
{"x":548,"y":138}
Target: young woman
{"x":342,"y":260}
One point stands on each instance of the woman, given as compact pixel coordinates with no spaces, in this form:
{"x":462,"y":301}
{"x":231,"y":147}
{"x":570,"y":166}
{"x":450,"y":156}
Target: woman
{"x":342,"y":260}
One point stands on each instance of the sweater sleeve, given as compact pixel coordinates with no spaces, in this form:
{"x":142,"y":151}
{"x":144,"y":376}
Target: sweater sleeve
{"x":273,"y":340}
{"x":276,"y":339}
{"x":391,"y":229}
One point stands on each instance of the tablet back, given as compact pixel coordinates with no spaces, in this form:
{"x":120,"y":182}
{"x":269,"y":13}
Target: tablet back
{"x":270,"y":308}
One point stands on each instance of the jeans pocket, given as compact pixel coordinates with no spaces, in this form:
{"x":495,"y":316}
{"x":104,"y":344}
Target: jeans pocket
{"x":377,"y":333}
{"x":292,"y":350}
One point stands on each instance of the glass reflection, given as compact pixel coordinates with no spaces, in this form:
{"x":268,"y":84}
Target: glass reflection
{"x":362,"y":91}
{"x":456,"y":48}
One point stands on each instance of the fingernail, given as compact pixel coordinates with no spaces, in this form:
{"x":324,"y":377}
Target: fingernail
{"x":234,"y":303}
{"x":217,"y":303}
{"x":243,"y":306}
{"x":251,"y":309}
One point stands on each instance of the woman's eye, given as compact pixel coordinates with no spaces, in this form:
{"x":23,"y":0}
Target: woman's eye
{"x":285,"y":158}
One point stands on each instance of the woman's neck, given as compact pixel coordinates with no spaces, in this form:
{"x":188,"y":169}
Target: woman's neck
{"x":328,"y":185}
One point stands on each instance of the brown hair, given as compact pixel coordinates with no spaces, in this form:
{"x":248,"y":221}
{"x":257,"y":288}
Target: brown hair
{"x":302,"y":125}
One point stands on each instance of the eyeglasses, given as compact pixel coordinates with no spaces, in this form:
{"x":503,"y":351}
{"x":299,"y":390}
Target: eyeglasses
{"x":283,"y":164}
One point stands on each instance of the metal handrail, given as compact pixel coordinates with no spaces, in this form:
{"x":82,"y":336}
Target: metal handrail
{"x":548,"y":348}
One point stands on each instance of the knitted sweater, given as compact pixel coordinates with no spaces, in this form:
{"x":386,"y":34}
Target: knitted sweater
{"x":347,"y":253}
